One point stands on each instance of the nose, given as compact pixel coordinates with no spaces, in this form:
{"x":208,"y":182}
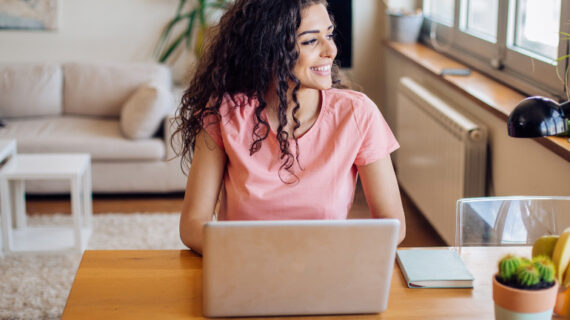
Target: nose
{"x":329,"y":49}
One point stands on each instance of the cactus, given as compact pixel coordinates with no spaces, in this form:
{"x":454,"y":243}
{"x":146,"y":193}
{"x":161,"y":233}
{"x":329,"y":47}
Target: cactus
{"x":508,"y":266}
{"x":545,"y":268}
{"x":524,"y":273}
{"x":527,"y":275}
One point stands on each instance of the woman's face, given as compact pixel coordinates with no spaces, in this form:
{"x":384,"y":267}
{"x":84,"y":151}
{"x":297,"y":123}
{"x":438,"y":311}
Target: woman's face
{"x":316,"y":48}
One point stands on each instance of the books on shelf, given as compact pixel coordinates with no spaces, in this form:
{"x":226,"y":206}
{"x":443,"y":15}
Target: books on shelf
{"x":434,"y":268}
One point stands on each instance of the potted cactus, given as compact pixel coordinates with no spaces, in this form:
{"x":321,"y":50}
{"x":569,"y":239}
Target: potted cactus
{"x":525,"y":288}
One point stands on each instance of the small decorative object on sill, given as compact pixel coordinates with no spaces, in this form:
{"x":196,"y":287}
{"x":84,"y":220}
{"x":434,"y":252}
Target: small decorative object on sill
{"x":524,"y":288}
{"x":404,"y":26}
{"x":539,"y":117}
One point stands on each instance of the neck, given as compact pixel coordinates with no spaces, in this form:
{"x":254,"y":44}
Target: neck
{"x":309,"y":108}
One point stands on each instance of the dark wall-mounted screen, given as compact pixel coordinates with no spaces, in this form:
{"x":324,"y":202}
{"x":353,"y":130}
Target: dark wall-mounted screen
{"x":341,"y":10}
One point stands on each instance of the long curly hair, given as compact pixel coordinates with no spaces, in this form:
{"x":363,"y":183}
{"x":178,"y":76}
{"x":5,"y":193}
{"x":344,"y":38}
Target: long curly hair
{"x":254,"y":44}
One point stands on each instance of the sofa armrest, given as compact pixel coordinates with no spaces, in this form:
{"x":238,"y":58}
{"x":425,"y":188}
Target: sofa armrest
{"x":170,"y":125}
{"x":173,"y":145}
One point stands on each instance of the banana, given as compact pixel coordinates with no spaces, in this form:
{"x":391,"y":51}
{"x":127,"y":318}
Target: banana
{"x":561,"y":254}
{"x":544,"y":246}
{"x":566,"y":279}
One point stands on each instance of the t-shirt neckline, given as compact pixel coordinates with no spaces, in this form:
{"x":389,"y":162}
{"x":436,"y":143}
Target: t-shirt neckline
{"x":312,"y":128}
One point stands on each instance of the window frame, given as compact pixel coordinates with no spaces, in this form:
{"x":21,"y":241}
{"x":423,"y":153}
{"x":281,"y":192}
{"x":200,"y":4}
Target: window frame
{"x":533,"y":76}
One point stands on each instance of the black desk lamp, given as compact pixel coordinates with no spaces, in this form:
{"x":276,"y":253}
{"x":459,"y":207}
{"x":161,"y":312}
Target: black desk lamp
{"x":538,"y":117}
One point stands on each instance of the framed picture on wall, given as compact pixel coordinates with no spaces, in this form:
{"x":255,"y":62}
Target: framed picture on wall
{"x":29,"y":15}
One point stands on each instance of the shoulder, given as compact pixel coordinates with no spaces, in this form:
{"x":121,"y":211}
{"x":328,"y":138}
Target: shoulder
{"x":237,"y":112}
{"x":233,"y":102}
{"x":349,"y":100}
{"x":349,"y":104}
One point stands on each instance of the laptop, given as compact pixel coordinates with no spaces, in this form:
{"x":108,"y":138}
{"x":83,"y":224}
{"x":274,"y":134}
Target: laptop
{"x":308,"y":267}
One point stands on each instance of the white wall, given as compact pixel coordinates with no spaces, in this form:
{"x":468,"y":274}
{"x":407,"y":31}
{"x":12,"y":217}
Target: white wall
{"x":114,"y":30}
{"x":127,"y":30}
{"x":368,"y":31}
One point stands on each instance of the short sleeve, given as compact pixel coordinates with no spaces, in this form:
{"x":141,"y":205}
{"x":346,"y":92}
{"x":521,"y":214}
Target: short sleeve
{"x":211,"y":124}
{"x":377,"y":140}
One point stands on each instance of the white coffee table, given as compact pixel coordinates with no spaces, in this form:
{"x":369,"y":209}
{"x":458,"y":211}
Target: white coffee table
{"x":17,"y":236}
{"x":7,"y":149}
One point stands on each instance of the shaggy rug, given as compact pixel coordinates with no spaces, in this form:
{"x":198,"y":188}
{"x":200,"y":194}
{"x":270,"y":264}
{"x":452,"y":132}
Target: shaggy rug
{"x":36,"y":286}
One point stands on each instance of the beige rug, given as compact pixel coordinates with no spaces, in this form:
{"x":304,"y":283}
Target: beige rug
{"x":36,"y":286}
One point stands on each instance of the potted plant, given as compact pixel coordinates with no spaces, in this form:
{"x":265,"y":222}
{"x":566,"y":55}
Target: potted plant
{"x":188,"y":27}
{"x":565,"y":58}
{"x":525,"y":288}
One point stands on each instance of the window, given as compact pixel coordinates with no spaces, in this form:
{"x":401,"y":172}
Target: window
{"x":536,"y":27}
{"x":479,"y":18}
{"x":517,"y":41}
{"x":441,"y":10}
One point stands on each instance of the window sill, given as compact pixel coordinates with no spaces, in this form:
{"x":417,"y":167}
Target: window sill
{"x":486,"y":92}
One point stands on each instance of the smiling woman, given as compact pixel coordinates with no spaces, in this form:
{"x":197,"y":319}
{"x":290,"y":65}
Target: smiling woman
{"x":264,"y":124}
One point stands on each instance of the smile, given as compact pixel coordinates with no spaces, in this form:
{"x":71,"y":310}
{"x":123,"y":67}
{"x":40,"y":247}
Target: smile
{"x":325,"y":68}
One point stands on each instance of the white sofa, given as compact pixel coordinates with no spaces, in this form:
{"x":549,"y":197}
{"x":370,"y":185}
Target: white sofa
{"x":117,"y":112}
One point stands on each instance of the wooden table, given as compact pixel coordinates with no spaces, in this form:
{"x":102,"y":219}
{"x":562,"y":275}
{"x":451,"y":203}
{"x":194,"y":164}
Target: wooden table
{"x":167,"y":284}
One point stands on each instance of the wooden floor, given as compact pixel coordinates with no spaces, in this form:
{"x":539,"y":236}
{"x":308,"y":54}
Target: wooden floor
{"x":419,"y":231}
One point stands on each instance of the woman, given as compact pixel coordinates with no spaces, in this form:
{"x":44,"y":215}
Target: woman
{"x":262,"y":123}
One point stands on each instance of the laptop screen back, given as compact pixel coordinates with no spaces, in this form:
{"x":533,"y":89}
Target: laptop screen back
{"x":261,"y":268}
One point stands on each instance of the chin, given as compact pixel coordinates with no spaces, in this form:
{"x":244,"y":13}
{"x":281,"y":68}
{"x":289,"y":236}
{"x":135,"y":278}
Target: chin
{"x":318,"y":86}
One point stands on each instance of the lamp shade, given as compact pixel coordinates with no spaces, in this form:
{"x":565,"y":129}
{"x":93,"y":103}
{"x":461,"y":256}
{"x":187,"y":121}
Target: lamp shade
{"x":537,"y":117}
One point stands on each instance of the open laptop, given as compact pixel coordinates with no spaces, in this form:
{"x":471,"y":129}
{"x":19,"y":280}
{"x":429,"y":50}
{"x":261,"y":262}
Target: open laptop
{"x":309,"y":267}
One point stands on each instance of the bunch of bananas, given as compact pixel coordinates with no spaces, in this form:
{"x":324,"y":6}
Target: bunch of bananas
{"x":558,"y":248}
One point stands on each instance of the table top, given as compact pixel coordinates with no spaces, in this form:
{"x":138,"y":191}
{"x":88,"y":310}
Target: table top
{"x":167,"y":284}
{"x":46,"y":165}
{"x":7,"y":148}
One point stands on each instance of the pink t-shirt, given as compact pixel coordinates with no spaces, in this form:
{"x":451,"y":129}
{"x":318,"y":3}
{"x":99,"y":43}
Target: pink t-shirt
{"x":349,"y":131}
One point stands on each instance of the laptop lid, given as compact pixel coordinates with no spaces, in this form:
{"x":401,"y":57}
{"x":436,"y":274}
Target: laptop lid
{"x":309,"y":267}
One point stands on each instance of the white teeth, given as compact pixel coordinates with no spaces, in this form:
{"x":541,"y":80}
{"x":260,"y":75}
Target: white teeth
{"x":322,"y":68}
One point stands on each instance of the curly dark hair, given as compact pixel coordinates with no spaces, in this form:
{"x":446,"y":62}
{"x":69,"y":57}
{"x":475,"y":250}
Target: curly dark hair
{"x":254,"y":44}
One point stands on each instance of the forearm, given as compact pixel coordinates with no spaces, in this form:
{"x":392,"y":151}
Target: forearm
{"x":382,"y":193}
{"x":202,"y":190}
{"x":389,"y":212}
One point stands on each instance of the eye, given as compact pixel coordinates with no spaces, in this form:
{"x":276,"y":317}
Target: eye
{"x":309,"y":42}
{"x":331,"y":36}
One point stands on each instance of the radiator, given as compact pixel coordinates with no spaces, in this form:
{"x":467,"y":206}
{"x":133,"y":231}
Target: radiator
{"x":442,"y":157}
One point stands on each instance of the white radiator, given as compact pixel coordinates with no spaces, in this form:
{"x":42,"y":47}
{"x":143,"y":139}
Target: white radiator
{"x":442,"y":156}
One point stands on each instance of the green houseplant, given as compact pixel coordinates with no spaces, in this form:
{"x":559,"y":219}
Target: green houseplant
{"x":525,"y":288}
{"x":565,"y":58}
{"x":188,"y":14}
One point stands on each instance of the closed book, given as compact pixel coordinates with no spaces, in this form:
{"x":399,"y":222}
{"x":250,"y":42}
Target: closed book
{"x":434,"y":268}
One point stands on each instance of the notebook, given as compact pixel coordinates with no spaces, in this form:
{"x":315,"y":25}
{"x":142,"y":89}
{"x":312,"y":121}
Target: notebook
{"x":434,"y":268}
{"x":309,"y":267}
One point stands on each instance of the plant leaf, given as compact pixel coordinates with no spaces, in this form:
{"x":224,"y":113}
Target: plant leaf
{"x":188,"y":31}
{"x":172,"y":47}
{"x":168,"y":29}
{"x":202,"y":12}
{"x":180,"y":6}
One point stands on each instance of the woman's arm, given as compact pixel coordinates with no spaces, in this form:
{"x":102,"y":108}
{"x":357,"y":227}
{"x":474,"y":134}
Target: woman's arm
{"x":202,"y":190}
{"x":382,"y":193}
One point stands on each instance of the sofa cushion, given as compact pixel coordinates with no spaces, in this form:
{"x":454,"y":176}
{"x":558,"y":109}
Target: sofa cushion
{"x":102,"y":138}
{"x":30,"y":90}
{"x":144,"y":111}
{"x":101,"y":89}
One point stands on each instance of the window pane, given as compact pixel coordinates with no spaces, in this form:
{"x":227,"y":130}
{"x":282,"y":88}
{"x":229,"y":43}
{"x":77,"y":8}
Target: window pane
{"x":482,"y":18}
{"x":537,"y":27}
{"x":440,"y":10}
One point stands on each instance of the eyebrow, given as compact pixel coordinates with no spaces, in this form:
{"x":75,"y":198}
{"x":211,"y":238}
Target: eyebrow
{"x":313,"y":31}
